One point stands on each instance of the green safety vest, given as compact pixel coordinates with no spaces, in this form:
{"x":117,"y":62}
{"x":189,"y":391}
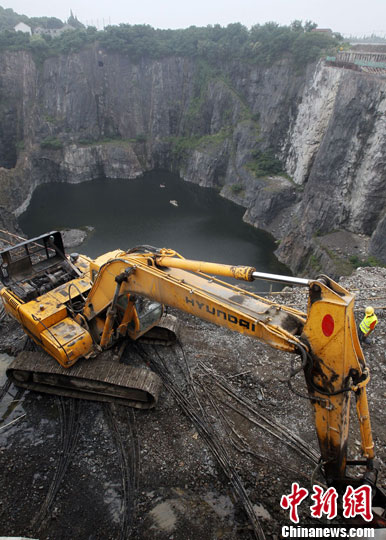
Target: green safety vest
{"x":365,"y":325}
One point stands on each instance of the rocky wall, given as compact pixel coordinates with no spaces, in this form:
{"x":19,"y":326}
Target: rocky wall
{"x":94,"y":114}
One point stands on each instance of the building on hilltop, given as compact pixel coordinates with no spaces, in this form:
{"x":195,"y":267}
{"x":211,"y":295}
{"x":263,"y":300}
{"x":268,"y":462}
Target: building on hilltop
{"x":54,"y":32}
{"x":22,"y":27}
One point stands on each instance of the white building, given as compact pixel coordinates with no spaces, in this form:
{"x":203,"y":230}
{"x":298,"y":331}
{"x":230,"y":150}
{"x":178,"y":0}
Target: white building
{"x":21,"y":27}
{"x":53,"y":31}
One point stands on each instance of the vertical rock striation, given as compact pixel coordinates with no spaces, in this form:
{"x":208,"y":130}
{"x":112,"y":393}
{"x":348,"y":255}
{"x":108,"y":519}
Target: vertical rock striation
{"x":91,"y":114}
{"x":343,"y":165}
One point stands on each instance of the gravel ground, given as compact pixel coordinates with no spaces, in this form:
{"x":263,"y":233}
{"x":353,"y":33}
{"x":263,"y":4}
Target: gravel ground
{"x":205,"y":464}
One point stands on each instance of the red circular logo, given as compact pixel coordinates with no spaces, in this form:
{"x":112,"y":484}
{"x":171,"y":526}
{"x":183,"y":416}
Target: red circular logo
{"x":328,"y":325}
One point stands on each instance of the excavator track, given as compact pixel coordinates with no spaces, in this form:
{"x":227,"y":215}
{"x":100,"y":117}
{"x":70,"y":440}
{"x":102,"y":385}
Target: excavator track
{"x":99,"y":379}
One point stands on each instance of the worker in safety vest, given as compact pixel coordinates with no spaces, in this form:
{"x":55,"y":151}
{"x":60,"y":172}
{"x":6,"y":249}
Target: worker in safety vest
{"x":367,"y":325}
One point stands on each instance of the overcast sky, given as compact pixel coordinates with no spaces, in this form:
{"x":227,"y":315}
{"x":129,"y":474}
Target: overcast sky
{"x":356,"y":17}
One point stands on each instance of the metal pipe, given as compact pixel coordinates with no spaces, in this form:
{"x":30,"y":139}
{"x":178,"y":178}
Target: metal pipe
{"x":289,"y":280}
{"x":243,"y":273}
{"x":246,"y":273}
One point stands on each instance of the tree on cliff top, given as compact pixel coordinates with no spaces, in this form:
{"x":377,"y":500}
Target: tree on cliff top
{"x":73,"y":21}
{"x":49,"y":23}
{"x":262,"y":44}
{"x":9,"y":19}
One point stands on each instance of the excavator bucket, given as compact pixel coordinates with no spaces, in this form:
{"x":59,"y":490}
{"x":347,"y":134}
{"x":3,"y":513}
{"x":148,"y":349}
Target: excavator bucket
{"x":165,"y":333}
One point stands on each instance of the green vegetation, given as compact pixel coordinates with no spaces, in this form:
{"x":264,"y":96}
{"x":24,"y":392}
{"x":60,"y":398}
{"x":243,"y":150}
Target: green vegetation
{"x":342,"y":265}
{"x":116,"y":140}
{"x":203,"y":74}
{"x":43,"y":45}
{"x":236,"y":188}
{"x":370,"y":261}
{"x":9,"y":19}
{"x":141,"y":138}
{"x":314,"y":263}
{"x":85,"y":142}
{"x":50,"y":119}
{"x":261,"y":44}
{"x":51,"y":143}
{"x":73,"y":21}
{"x":265,"y":163}
{"x":183,"y":145}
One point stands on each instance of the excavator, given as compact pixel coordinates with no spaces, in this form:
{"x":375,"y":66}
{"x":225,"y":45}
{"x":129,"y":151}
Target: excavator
{"x":76,"y":309}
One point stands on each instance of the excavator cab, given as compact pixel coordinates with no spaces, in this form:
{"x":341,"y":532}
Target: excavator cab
{"x":35,"y":266}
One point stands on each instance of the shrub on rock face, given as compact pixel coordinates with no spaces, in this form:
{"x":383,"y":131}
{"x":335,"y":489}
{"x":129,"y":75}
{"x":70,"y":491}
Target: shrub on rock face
{"x":370,"y":261}
{"x":236,"y":188}
{"x":51,"y":143}
{"x":265,"y":163}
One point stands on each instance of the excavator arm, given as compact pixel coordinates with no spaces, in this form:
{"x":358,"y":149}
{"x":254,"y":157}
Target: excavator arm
{"x":325,"y":337}
{"x":196,"y":293}
{"x":335,"y":370}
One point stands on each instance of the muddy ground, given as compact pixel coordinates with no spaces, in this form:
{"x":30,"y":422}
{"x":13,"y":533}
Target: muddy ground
{"x":209,"y":462}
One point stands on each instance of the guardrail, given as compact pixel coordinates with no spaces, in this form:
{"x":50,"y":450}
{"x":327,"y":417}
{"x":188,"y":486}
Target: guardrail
{"x":356,"y":61}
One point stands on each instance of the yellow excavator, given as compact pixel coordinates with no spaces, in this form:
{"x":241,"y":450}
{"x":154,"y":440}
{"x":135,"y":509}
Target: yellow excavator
{"x":76,"y":308}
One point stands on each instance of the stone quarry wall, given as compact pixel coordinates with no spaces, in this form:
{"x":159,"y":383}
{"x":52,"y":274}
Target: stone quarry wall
{"x":93,"y":114}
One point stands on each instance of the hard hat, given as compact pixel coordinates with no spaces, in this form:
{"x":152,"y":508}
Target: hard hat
{"x":369,"y":310}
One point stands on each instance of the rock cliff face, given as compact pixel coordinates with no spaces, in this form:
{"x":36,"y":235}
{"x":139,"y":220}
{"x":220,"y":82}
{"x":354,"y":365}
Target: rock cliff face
{"x":342,"y":167}
{"x":93,"y":114}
